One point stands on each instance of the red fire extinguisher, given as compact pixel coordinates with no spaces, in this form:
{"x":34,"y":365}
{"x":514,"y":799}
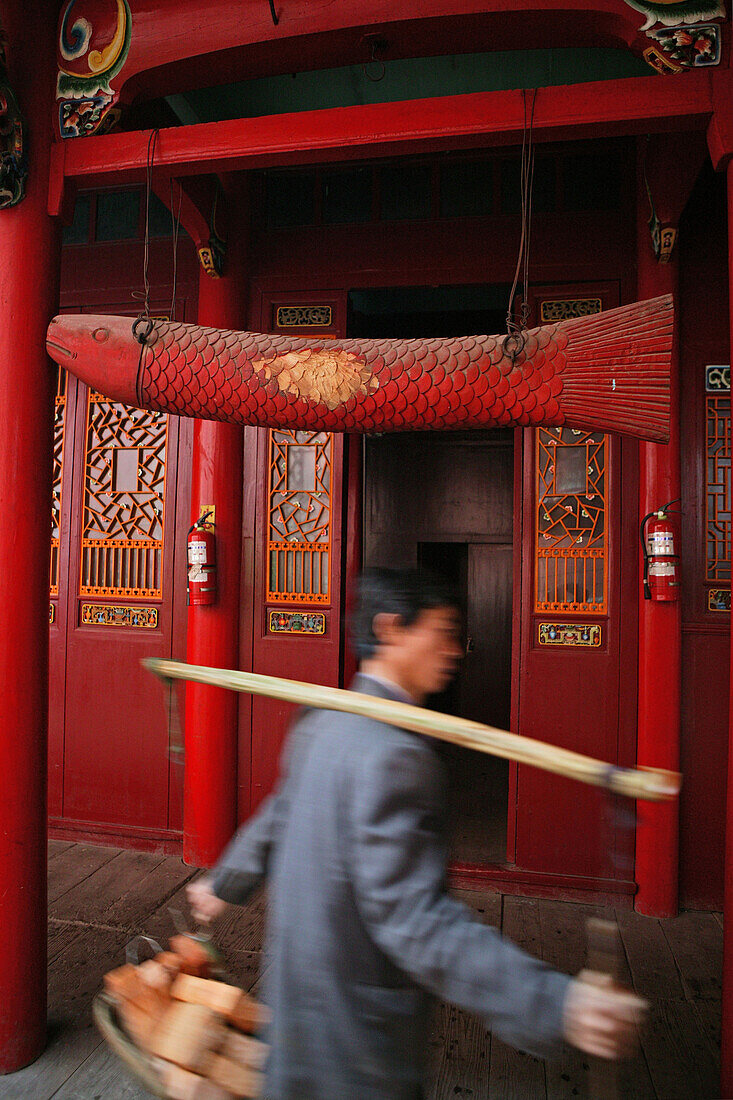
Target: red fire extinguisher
{"x":661,"y":563}
{"x":201,"y":563}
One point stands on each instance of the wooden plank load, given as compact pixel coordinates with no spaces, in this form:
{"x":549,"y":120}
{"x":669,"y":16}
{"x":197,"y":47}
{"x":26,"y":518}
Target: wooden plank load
{"x":193,"y":1031}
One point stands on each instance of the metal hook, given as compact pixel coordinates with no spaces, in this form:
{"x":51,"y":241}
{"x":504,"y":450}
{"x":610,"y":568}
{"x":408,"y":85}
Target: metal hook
{"x":514,"y":345}
{"x":142,"y":337}
{"x":379,"y":45}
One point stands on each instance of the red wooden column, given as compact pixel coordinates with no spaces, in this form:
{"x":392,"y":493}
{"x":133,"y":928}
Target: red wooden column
{"x":660,"y":624}
{"x":210,"y":789}
{"x":29,"y":264}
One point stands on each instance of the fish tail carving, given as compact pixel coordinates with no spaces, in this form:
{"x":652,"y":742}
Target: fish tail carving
{"x":616,"y":376}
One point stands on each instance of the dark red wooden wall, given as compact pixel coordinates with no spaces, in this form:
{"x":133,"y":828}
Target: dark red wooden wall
{"x":704,"y":340}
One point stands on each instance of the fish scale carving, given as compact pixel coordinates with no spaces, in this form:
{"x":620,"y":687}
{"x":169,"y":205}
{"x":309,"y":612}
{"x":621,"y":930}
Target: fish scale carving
{"x":355,"y":386}
{"x":608,"y":371}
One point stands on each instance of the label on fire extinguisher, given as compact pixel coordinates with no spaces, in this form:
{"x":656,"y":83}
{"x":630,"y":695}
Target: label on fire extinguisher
{"x":661,"y":543}
{"x":196,"y":553}
{"x":662,"y":569}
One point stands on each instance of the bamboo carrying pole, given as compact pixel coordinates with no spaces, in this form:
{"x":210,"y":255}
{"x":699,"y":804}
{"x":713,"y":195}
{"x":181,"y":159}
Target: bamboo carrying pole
{"x":651,"y":784}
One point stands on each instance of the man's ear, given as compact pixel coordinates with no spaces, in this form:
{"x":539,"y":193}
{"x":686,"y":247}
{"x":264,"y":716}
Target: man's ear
{"x":386,"y":627}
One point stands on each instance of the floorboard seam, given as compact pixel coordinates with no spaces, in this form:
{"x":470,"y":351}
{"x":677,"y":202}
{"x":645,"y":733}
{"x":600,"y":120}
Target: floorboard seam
{"x":76,"y":885}
{"x":75,"y":1071}
{"x":94,"y":924}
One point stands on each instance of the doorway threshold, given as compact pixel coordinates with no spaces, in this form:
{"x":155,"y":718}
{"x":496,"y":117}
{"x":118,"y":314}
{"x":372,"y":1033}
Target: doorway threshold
{"x":509,"y":879}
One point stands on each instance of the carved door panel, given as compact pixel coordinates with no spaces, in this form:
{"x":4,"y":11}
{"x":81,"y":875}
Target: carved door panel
{"x":296,"y":555}
{"x":116,"y":604}
{"x":578,"y":655}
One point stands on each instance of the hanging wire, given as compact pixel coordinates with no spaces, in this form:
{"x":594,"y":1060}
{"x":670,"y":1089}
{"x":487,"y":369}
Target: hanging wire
{"x":141,"y":333}
{"x":514,"y":340}
{"x":176,"y":220}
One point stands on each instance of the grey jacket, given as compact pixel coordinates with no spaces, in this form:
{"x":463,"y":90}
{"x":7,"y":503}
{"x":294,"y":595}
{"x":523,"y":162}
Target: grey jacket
{"x":360,"y":927}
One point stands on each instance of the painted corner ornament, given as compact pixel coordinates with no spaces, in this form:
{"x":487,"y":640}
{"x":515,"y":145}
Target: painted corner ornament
{"x":680,"y":48}
{"x":13,"y":157}
{"x":673,"y":13}
{"x":93,"y":44}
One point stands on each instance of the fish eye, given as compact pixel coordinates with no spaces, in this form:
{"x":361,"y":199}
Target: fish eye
{"x":101,"y":334}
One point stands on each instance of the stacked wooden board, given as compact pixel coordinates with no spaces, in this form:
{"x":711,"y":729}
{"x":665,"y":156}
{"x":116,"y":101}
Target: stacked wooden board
{"x":196,"y":1032}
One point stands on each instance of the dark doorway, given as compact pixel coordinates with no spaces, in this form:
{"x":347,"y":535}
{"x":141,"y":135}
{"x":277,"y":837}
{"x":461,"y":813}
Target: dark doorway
{"x":445,"y":500}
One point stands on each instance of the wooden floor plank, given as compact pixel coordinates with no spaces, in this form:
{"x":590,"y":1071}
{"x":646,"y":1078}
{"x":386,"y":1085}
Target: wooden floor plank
{"x":74,"y":978}
{"x":74,"y":865}
{"x":680,"y":1057}
{"x":676,"y":964}
{"x":513,"y":1074}
{"x":565,"y":947}
{"x":148,"y":892}
{"x":159,"y":923}
{"x":696,"y":940}
{"x":463,"y":1048}
{"x":243,"y":928}
{"x":103,"y":890}
{"x":56,"y":847}
{"x":651,"y":963}
{"x":102,"y":1075}
{"x":486,"y":904}
{"x":60,"y":935}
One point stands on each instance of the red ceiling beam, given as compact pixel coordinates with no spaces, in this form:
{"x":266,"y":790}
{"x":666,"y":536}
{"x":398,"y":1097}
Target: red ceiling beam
{"x":604,"y":108}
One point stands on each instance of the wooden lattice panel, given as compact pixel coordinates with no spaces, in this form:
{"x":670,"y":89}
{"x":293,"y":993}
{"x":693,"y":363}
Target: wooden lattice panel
{"x":571,"y":550}
{"x":718,"y":475}
{"x":124,"y":494}
{"x":299,"y":523}
{"x":59,"y":420}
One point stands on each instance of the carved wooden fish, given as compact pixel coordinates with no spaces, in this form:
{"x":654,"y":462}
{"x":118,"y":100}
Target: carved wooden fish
{"x":608,"y":371}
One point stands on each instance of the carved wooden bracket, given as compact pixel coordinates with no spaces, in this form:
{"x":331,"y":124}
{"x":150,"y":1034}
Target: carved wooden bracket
{"x":199,"y":202}
{"x":13,"y":145}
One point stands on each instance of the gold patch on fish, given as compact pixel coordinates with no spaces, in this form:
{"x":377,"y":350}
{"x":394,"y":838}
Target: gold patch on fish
{"x":327,"y":375}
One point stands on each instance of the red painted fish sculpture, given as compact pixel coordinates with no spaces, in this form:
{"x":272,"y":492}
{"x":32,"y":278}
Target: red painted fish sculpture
{"x":608,"y":371}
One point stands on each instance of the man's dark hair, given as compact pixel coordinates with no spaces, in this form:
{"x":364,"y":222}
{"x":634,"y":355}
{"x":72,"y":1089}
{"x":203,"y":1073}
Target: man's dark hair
{"x":403,"y":592}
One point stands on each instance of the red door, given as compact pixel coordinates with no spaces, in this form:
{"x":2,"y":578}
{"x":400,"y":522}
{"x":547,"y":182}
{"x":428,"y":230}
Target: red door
{"x":296,"y":558}
{"x":578,"y":648}
{"x":117,"y":597}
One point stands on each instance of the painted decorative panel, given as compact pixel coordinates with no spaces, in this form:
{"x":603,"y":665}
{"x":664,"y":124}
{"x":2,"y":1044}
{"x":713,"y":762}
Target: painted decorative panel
{"x":303,"y":316}
{"x":573,"y":634}
{"x":59,"y":419}
{"x":562,"y":309}
{"x":572,"y":544}
{"x":124,"y":492}
{"x":105,"y":614}
{"x":718,"y":475}
{"x":297,"y":622}
{"x":719,"y":599}
{"x":299,"y":526}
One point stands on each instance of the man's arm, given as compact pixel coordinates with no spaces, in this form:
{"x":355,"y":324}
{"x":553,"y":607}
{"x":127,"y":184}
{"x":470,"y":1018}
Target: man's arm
{"x":243,"y":864}
{"x":398,"y":866}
